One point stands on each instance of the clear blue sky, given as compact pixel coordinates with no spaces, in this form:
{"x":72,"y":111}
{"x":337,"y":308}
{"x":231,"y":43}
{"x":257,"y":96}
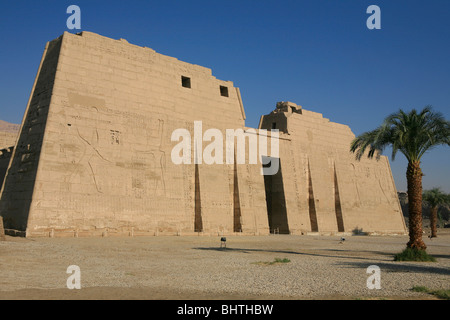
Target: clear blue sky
{"x":316,"y":53}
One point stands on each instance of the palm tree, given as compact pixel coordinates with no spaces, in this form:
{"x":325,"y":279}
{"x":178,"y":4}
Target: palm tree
{"x":435,"y":198}
{"x":413,"y":134}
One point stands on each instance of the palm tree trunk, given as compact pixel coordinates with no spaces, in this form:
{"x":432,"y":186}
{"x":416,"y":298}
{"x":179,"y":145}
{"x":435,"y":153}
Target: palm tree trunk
{"x":414,"y":181}
{"x":433,"y":221}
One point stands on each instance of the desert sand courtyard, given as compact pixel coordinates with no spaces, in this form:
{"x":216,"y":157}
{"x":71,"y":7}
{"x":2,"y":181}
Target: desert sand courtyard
{"x":196,"y":267}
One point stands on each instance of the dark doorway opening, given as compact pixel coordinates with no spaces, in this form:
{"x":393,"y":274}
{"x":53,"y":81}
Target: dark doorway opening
{"x":275,"y":199}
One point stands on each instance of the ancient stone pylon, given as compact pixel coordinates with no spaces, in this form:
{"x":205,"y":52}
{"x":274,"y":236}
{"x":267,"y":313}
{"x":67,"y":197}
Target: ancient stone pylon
{"x":93,"y":156}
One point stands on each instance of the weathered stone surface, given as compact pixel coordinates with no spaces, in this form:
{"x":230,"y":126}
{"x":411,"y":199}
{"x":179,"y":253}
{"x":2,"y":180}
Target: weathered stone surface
{"x":94,"y":155}
{"x":346,"y":195}
{"x":8,"y":137}
{"x":5,"y":157}
{"x":2,"y":230}
{"x":8,"y":134}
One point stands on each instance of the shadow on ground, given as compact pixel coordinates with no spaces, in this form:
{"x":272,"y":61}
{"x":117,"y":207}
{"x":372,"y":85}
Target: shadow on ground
{"x":350,"y":254}
{"x":402,"y":267}
{"x":346,"y":254}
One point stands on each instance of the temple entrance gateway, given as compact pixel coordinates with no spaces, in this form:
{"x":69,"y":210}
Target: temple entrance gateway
{"x":275,"y":199}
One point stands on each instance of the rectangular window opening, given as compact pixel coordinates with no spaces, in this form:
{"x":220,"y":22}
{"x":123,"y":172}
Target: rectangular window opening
{"x":186,"y":82}
{"x":224,"y":91}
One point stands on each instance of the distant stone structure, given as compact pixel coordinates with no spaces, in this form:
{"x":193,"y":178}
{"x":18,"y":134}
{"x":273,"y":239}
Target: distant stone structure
{"x":5,"y":157}
{"x":8,"y":137}
{"x":94,"y":156}
{"x":2,"y":230}
{"x":8,"y":134}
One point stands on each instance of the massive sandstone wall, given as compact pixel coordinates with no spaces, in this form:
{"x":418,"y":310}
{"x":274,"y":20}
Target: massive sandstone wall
{"x":94,"y":151}
{"x":94,"y":155}
{"x":326,"y":189}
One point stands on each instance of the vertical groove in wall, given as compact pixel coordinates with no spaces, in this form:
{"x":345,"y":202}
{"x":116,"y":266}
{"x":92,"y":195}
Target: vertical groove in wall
{"x":198,"y":223}
{"x":337,"y":204}
{"x":238,"y":92}
{"x":312,"y":205}
{"x":237,"y":225}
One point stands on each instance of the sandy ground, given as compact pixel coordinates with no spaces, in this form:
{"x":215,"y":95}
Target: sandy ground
{"x":195,"y":267}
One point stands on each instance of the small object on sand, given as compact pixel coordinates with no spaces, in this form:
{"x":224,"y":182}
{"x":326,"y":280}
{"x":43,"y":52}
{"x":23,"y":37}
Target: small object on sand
{"x":342,"y":240}
{"x":223,"y":242}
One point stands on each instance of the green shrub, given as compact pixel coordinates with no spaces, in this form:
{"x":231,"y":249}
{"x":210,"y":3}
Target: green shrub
{"x":441,"y":293}
{"x":414,"y":255}
{"x":285,"y":260}
{"x":420,"y":289}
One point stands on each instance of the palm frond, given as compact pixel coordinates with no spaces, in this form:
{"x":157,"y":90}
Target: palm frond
{"x":435,"y":197}
{"x":412,"y":133}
